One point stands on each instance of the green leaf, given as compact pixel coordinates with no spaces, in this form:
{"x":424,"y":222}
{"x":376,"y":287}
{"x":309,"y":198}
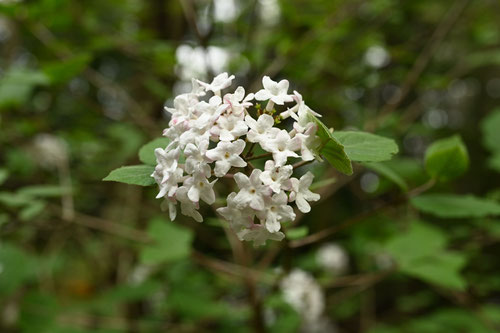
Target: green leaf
{"x":407,"y":246}
{"x":17,"y":84}
{"x":455,"y":206}
{"x":431,"y":263}
{"x":17,"y":267}
{"x":366,"y":147}
{"x":43,"y":191}
{"x":132,"y":174}
{"x":14,"y":199}
{"x":171,"y":242}
{"x":297,"y":233}
{"x":63,"y":71}
{"x":147,"y":152}
{"x":491,"y":134}
{"x":32,"y":210}
{"x":447,"y":158}
{"x":387,"y":172}
{"x":440,"y":269}
{"x":331,"y":149}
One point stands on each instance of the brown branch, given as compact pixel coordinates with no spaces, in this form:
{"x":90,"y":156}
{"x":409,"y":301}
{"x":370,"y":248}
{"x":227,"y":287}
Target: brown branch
{"x":360,"y":217}
{"x":256,"y":157}
{"x":301,"y":163}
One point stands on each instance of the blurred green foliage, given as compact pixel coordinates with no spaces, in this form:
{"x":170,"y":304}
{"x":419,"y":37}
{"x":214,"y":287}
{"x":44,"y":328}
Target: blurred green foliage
{"x":82,"y":89}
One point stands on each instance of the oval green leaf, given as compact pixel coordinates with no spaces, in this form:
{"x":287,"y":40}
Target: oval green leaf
{"x":133,"y":174}
{"x":366,"y":147}
{"x":455,"y":206}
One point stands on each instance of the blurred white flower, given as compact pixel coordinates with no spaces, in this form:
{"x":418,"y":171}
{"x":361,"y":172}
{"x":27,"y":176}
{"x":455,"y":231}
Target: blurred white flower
{"x":377,"y":56}
{"x":304,"y":294}
{"x":333,"y":258}
{"x":51,"y":151}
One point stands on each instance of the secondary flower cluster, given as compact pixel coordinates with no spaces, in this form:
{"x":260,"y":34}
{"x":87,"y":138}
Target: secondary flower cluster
{"x":215,"y":137}
{"x":305,"y":296}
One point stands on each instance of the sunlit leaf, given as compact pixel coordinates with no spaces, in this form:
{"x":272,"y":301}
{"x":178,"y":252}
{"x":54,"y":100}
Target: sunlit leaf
{"x":132,"y":174}
{"x":366,"y":147}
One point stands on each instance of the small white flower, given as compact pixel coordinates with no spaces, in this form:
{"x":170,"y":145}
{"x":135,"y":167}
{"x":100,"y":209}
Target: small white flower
{"x":195,"y":158}
{"x":240,"y":218}
{"x":221,"y":81}
{"x":299,"y":111}
{"x":227,"y":155}
{"x":205,"y":114}
{"x":282,"y":147}
{"x":171,"y":204}
{"x":274,"y":91}
{"x":197,"y":88}
{"x":252,"y":191}
{"x":167,"y":160}
{"x":258,"y":234}
{"x":229,"y":127}
{"x":309,"y":141}
{"x":276,"y":177}
{"x":261,"y":129}
{"x":167,"y":181}
{"x":276,"y":211}
{"x":188,"y":207}
{"x":237,"y":102}
{"x":200,"y":187}
{"x":301,"y":193}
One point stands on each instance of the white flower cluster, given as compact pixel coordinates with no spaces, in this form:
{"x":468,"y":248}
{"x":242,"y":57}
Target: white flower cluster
{"x":305,"y":296}
{"x":212,"y":136}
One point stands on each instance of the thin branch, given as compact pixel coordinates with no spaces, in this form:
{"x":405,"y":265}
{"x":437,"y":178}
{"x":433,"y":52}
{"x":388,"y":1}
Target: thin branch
{"x":301,"y":163}
{"x":360,"y":217}
{"x":256,"y":157}
{"x":110,"y":227}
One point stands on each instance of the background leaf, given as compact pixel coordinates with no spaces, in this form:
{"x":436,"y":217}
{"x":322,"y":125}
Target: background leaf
{"x":447,"y":158}
{"x":171,"y":242}
{"x":455,"y":206}
{"x":431,"y":263}
{"x":386,"y":171}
